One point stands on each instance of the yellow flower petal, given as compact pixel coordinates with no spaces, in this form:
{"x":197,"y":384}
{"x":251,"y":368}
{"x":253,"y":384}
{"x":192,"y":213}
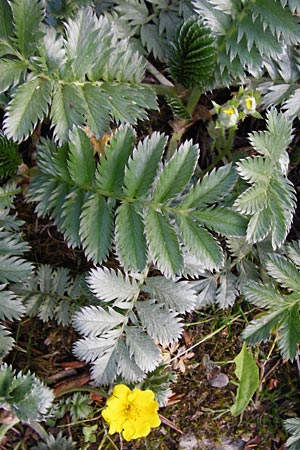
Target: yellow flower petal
{"x":133,"y":413}
{"x":121,"y":391}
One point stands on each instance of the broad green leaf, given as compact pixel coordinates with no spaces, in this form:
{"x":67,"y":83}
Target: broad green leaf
{"x":22,"y":389}
{"x":143,"y":165}
{"x":27,"y":19}
{"x":289,"y":332}
{"x":81,"y":161}
{"x":29,"y":104}
{"x":66,"y":110}
{"x":224,"y":221}
{"x":211,"y":189}
{"x":12,"y":72}
{"x":163,"y":243}
{"x":142,"y":348}
{"x":95,"y":103}
{"x":6,"y":380}
{"x":96,"y":228}
{"x":111,"y":169}
{"x":176,"y":173}
{"x":284,"y":271}
{"x":201,"y":243}
{"x":129,"y":238}
{"x":248,"y":374}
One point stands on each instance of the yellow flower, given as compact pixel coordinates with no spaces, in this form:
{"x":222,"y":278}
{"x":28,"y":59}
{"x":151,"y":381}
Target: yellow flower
{"x":249,"y":103}
{"x":132,"y":413}
{"x":228,"y":116}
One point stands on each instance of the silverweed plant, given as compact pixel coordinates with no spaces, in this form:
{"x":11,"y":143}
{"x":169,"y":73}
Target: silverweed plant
{"x":162,"y":236}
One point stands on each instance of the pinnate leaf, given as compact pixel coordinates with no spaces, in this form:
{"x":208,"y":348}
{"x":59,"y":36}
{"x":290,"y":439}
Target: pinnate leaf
{"x":130,"y":240}
{"x":163,"y":243}
{"x":143,"y":165}
{"x":28,"y":105}
{"x":177,"y":173}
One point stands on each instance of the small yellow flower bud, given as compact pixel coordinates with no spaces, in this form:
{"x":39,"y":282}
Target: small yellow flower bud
{"x":248,"y":103}
{"x":228,"y":116}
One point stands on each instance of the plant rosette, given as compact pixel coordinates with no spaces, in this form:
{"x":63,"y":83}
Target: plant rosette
{"x":132,"y":413}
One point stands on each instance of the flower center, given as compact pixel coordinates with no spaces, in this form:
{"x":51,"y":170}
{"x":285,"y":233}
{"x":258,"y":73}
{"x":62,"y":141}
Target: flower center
{"x":230,"y":111}
{"x":132,"y":411}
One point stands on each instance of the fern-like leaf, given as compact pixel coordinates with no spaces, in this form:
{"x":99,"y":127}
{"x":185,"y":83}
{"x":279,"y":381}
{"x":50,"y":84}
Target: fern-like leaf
{"x":9,"y":157}
{"x":29,"y":104}
{"x":131,"y":243}
{"x":109,"y":286}
{"x":142,"y":348}
{"x":12,"y":71}
{"x":143,"y":165}
{"x":81,"y":161}
{"x":201,"y":243}
{"x":82,"y":42}
{"x":170,"y":294}
{"x":177,"y":173}
{"x":110,"y":171}
{"x":211,"y":188}
{"x":163,"y":326}
{"x":96,"y":227}
{"x":66,"y":108}
{"x":192,"y":56}
{"x":27,"y":19}
{"x":284,"y":271}
{"x":163,"y":243}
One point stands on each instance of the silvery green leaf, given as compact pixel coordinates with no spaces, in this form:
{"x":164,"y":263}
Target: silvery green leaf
{"x":142,"y":348}
{"x":108,"y":285}
{"x":162,"y":325}
{"x":175,"y":295}
{"x":93,"y":321}
{"x":127,"y":367}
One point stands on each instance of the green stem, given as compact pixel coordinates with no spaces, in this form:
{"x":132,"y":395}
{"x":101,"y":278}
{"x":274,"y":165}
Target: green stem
{"x":159,"y":76}
{"x":7,"y":426}
{"x":176,"y":136}
{"x":162,"y":89}
{"x":193,"y":99}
